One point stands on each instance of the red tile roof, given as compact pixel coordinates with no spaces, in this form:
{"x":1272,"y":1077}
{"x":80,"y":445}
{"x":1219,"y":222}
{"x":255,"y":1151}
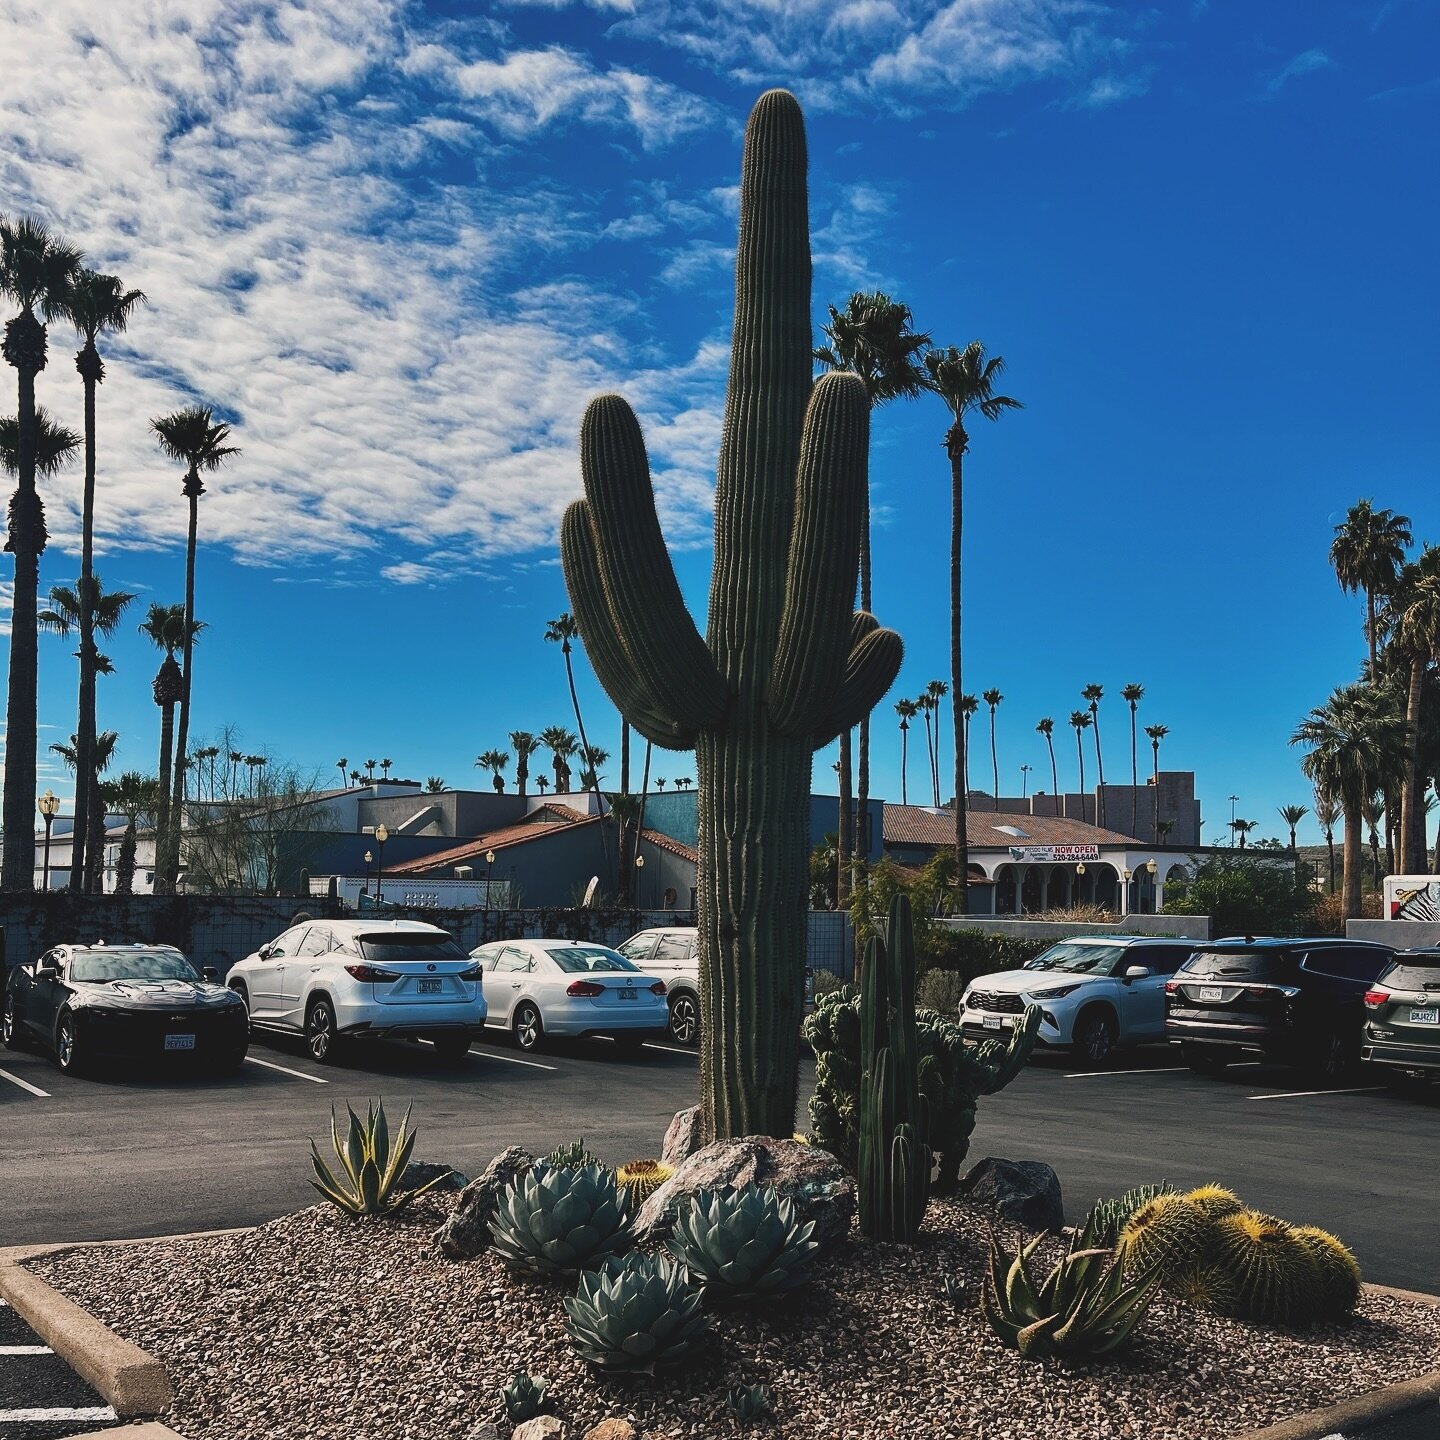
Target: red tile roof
{"x":675,"y":847}
{"x":920,"y":825}
{"x":533,"y":827}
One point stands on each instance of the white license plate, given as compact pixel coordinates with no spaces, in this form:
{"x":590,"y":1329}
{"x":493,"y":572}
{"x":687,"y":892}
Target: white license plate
{"x":1425,"y":1017}
{"x":626,"y":994}
{"x":179,"y":1042}
{"x":991,"y":1022}
{"x":1209,"y":993}
{"x":428,"y":987}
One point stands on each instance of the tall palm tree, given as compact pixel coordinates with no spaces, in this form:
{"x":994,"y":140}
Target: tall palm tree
{"x":385,"y":765}
{"x":1242,"y":828}
{"x":1373,"y":813}
{"x":1080,"y":720}
{"x":208,"y":754}
{"x":1046,"y":727}
{"x":1327,"y":812}
{"x":907,"y":710}
{"x":35,"y":269}
{"x":993,"y":698}
{"x":1132,"y":695}
{"x":1156,"y":734}
{"x":563,"y":631}
{"x":1367,"y":553}
{"x":593,"y":757}
{"x":1292,"y":815}
{"x":965,"y":381}
{"x":164,"y":626}
{"x":524,"y":744}
{"x":625,"y":813}
{"x":355,"y":777}
{"x":1353,"y":740}
{"x":236,"y":758}
{"x":969,"y":705}
{"x":561,"y":744}
{"x":925,"y":703}
{"x":370,"y":771}
{"x":95,"y":305}
{"x":1094,"y":694}
{"x":494,"y":762}
{"x":192,"y":438}
{"x":340,"y":765}
{"x":434,"y":784}
{"x":937,"y":690}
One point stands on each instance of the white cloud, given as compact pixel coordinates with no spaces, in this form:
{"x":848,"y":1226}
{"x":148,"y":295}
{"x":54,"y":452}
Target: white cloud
{"x":1307,"y":62}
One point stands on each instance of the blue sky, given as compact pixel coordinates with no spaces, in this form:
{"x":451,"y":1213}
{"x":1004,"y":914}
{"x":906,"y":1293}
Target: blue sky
{"x":399,"y":246}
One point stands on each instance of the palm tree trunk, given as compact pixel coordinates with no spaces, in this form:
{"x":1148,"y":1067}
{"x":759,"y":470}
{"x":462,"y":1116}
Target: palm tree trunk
{"x":86,"y":790}
{"x":1099,"y":764}
{"x":955,"y":446}
{"x":162,"y":806}
{"x":1080,"y":754}
{"x":967,"y":756}
{"x":585,"y":746}
{"x":177,"y":804}
{"x":904,"y":763}
{"x":1352,"y":862}
{"x":1330,"y":843}
{"x":95,"y":839}
{"x":1155,"y":746}
{"x":936,"y":764}
{"x":845,"y":838}
{"x":1134,"y":775}
{"x":994,"y":763}
{"x":1413,"y":801}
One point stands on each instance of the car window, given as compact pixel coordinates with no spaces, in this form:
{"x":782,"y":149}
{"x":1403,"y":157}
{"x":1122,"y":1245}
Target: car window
{"x":316,"y":941}
{"x":1263,"y":966}
{"x":101,"y":967}
{"x":1347,"y":964}
{"x":1159,"y":959}
{"x":390,"y":947}
{"x":512,"y":961}
{"x":580,"y":959}
{"x":1079,"y":959}
{"x":673,"y":950}
{"x":286,"y":944}
{"x":1414,"y":972}
{"x":637,"y":948}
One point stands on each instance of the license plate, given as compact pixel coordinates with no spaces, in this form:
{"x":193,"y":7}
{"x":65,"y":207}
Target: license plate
{"x":626,"y":994}
{"x":1211,"y":993}
{"x":428,"y":987}
{"x":179,"y":1042}
{"x":1425,"y":1017}
{"x":991,"y":1022}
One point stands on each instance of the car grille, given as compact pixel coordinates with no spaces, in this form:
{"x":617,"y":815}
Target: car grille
{"x":996,"y":1002}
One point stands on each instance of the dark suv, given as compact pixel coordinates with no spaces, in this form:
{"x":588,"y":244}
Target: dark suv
{"x":1402,"y":1017}
{"x":1298,"y":1001}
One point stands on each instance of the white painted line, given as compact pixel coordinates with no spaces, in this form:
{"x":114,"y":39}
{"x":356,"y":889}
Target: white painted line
{"x":25,"y":1085}
{"x":286,"y":1070}
{"x":25,"y":1350}
{"x":1105,"y":1074}
{"x":90,"y":1412}
{"x":1296,"y":1094}
{"x":511,"y":1060}
{"x":671,"y":1049}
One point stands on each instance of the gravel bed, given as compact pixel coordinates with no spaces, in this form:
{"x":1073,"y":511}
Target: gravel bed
{"x":316,"y":1327}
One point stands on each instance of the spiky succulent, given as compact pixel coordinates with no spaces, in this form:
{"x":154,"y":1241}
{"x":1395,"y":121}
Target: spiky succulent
{"x":642,"y":1178}
{"x":957,"y":1292}
{"x":750,"y":1402}
{"x":1215,"y":1200}
{"x":1084,"y":1308}
{"x":573,"y":1154}
{"x":556,"y":1220}
{"x":1337,"y":1271}
{"x":1165,"y":1234}
{"x":372,"y":1165}
{"x":1205,"y":1284}
{"x":635,"y":1312}
{"x":1107,"y":1217}
{"x":743,"y":1244}
{"x":1276,"y":1278}
{"x":524,"y":1397}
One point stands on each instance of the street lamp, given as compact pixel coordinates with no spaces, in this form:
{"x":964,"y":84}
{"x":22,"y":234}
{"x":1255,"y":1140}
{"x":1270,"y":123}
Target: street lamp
{"x":1025,"y":780}
{"x":49,"y":806}
{"x":1233,"y":799}
{"x":489,"y":863}
{"x":381,"y":836}
{"x":368,"y":858}
{"x":639,"y":878}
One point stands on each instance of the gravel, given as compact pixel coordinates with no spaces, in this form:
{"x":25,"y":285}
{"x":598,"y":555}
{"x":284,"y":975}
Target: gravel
{"x":317,"y":1327}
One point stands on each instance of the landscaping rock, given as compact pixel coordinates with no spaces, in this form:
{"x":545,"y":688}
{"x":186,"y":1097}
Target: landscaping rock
{"x":542,"y":1427}
{"x":610,"y":1430}
{"x":813,"y":1179}
{"x":485,"y":1430}
{"x":683,"y":1138}
{"x":1024,"y":1191}
{"x":421,"y":1172}
{"x":467,"y":1232}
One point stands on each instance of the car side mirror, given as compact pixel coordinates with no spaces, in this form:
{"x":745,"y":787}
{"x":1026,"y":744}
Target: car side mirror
{"x":210,"y":973}
{"x":1137,"y":972}
{"x":48,"y":967}
{"x":263,"y":952}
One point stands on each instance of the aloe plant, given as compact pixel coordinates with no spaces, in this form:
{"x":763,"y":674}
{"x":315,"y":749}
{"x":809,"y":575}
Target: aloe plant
{"x":372,"y":1165}
{"x":787,"y":662}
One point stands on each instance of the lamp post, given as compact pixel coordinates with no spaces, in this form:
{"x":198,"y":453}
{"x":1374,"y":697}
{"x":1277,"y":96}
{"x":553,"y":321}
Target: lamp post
{"x":49,"y":807}
{"x":1233,"y":799}
{"x":368,"y":858}
{"x":1025,"y":781}
{"x":489,"y":865}
{"x":639,"y":882}
{"x":381,"y":836}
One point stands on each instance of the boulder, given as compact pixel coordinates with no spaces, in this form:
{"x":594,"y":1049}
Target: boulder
{"x":610,"y":1430}
{"x":422,"y":1172}
{"x":683,"y":1138}
{"x":542,"y":1427}
{"x":467,"y":1230}
{"x":1024,"y":1191}
{"x":485,"y":1430}
{"x":812,"y":1178}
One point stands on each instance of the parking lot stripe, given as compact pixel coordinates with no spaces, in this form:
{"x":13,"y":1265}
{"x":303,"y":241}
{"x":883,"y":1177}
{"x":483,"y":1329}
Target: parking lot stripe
{"x":59,"y":1412}
{"x":1105,"y":1074}
{"x":286,"y":1070}
{"x":512,"y":1060}
{"x":1296,"y":1094}
{"x":25,"y":1085}
{"x":25,"y":1350}
{"x":672,"y":1049}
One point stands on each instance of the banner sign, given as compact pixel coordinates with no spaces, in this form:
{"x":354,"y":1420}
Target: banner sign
{"x":1054,"y":854}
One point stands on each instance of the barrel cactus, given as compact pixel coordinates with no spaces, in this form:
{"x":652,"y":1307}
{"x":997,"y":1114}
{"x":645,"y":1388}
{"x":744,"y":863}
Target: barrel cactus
{"x":642,"y":1178}
{"x":787,"y":662}
{"x":556,"y":1220}
{"x":1206,"y":1284}
{"x":1164,"y":1234}
{"x":1215,"y":1200}
{"x":1336,"y":1269}
{"x":743,"y":1245}
{"x":635,"y":1312}
{"x":1276,"y":1279}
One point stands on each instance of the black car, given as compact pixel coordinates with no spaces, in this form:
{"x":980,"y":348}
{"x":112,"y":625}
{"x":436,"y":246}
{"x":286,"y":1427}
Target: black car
{"x":136,"y":1002}
{"x":1301,"y":1002}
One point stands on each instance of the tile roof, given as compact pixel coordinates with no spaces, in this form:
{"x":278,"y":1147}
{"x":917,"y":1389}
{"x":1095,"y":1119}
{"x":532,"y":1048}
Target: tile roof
{"x":920,"y":825}
{"x":675,"y":847}
{"x":532,"y":828}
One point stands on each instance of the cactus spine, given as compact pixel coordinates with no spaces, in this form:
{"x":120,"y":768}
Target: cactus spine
{"x":894,"y":1130}
{"x":787,"y":662}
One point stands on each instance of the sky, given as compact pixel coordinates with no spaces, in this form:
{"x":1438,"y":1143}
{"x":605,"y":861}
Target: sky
{"x":399,"y":246}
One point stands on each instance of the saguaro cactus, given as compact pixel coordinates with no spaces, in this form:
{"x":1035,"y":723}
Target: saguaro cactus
{"x":787,"y":663}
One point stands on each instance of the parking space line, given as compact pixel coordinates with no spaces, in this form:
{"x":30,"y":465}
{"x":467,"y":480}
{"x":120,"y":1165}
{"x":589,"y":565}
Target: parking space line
{"x":1296,"y":1094}
{"x":285,"y":1070}
{"x":1105,"y":1074}
{"x":67,"y":1412}
{"x":671,"y":1049}
{"x":511,"y":1060}
{"x":24,"y":1084}
{"x":25,"y":1350}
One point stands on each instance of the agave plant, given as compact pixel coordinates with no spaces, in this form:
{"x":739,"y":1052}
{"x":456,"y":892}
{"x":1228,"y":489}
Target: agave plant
{"x":743,"y":1244}
{"x":1084,"y":1308}
{"x":750,"y":1402}
{"x":556,"y":1220}
{"x":642,"y":1178}
{"x":957,"y":1292}
{"x":524,"y":1397}
{"x":371,"y":1163}
{"x":635,"y":1312}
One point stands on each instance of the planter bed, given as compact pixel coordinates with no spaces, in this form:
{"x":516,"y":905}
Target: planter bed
{"x":317,"y":1327}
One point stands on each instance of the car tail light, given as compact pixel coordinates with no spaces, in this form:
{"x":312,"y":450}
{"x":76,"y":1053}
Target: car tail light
{"x":475,"y":972}
{"x":1374,"y":999}
{"x":372,"y":974}
{"x":1172,"y":987}
{"x":1257,"y":992}
{"x":658,"y":988}
{"x":584,"y":989}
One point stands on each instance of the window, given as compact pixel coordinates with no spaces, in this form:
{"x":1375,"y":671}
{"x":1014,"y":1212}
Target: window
{"x":1159,"y":959}
{"x":1414,"y":972}
{"x":673,"y":950}
{"x":1346,"y":964}
{"x":579,"y":959}
{"x":637,"y":948}
{"x":1080,"y":959}
{"x":1264,"y":967}
{"x":512,"y":961}
{"x":316,"y":941}
{"x":287,"y":943}
{"x":410,"y":945}
{"x":97,"y":967}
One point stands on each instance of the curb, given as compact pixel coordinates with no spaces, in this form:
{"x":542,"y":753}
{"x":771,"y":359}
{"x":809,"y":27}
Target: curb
{"x":144,"y":1430}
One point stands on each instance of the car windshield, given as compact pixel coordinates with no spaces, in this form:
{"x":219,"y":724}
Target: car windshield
{"x":1414,"y":972}
{"x":1079,"y":959}
{"x":100,"y":969}
{"x":409,"y":945}
{"x":1259,"y":965}
{"x":576,"y":959}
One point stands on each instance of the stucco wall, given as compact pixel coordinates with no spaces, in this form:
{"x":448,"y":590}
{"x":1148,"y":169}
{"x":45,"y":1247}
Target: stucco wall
{"x":1402,"y":934}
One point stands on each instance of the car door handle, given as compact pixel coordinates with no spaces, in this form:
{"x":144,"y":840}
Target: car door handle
{"x":515,"y":985}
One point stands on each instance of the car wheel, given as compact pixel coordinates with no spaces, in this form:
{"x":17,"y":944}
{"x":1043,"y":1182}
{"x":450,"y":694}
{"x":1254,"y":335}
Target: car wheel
{"x":451,"y":1048}
{"x":321,"y":1036}
{"x":1096,"y":1037}
{"x":239,"y":988}
{"x":69,"y":1053}
{"x":1335,"y":1056}
{"x":528,"y":1027}
{"x":14,"y":1036}
{"x":1203,"y":1062}
{"x":685,"y":1019}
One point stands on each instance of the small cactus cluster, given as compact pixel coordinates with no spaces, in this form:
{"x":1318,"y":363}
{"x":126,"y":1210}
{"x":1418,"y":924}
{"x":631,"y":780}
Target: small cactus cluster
{"x":1107,"y":1217}
{"x":642,"y":1178}
{"x":572,"y":1154}
{"x":1211,"y":1251}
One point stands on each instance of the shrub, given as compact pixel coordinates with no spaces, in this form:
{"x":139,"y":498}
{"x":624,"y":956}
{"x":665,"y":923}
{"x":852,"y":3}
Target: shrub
{"x":970,"y":953}
{"x":371,"y":1165}
{"x":559,"y":1219}
{"x":1244,"y":895}
{"x":941,"y":990}
{"x":826,"y":982}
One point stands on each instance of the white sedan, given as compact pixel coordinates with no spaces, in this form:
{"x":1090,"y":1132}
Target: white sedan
{"x":537,"y":988}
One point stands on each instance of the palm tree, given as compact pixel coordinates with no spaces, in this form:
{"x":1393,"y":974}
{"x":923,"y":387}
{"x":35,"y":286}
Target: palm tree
{"x":660,"y":782}
{"x":563,"y":631}
{"x":561,"y":744}
{"x":1414,"y":621}
{"x":542,"y":782}
{"x":684,"y":782}
{"x":1156,"y":734}
{"x":434,"y":785}
{"x":340,"y":765}
{"x":907,"y":710}
{"x":209,"y":754}
{"x":1046,"y":727}
{"x":1080,"y":720}
{"x":385,"y":765}
{"x":495,"y":762}
{"x":1094,"y":694}
{"x":937,"y":690}
{"x":625,"y":813}
{"x":133,"y":794}
{"x":1354,"y":740}
{"x":1373,"y":812}
{"x":1162,"y":831}
{"x":1292,"y":815}
{"x":95,"y":305}
{"x":1132,"y":695}
{"x":969,"y":704}
{"x":1242,"y":828}
{"x":236,"y":758}
{"x":524,"y":744}
{"x":993,"y":698}
{"x":100,"y":757}
{"x":593,"y":757}
{"x":370,"y":771}
{"x":925,"y":703}
{"x":1327,"y":812}
{"x":1367,"y":553}
{"x":965,"y":381}
{"x":354,"y":777}
{"x":164,"y":626}
{"x":191,"y":438}
{"x":35,"y":271}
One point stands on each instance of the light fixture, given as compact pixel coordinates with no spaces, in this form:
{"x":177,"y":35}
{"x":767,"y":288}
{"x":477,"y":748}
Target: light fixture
{"x":639,"y":862}
{"x":368,"y":857}
{"x":1080,"y":868}
{"x":49,"y":804}
{"x":1125,"y":875}
{"x":381,"y":834}
{"x":1150,"y":866}
{"x":489,"y":857}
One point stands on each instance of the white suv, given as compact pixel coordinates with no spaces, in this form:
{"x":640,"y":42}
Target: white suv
{"x":1095,"y":992}
{"x":340,"y":979}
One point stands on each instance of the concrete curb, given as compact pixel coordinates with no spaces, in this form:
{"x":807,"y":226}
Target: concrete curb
{"x":1361,"y":1410}
{"x":144,"y":1430}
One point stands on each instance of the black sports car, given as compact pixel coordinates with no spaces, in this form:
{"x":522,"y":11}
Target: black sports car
{"x":135,"y":1002}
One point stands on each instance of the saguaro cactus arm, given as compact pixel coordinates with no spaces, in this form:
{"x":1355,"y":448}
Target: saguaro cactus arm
{"x":870,"y":670}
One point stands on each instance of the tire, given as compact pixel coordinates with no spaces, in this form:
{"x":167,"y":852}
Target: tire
{"x":1403,"y":1082}
{"x":11,"y":1029}
{"x":322,"y":1039}
{"x":1334,"y":1056}
{"x":229,"y":1064}
{"x":69,"y":1053}
{"x":527,"y":1026}
{"x":239,"y":988}
{"x":1203,"y":1062}
{"x":1096,"y":1037}
{"x":451,"y":1048}
{"x":685,"y":1019}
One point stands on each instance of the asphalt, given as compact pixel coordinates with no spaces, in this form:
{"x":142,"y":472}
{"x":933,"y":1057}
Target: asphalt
{"x":41,"y":1398}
